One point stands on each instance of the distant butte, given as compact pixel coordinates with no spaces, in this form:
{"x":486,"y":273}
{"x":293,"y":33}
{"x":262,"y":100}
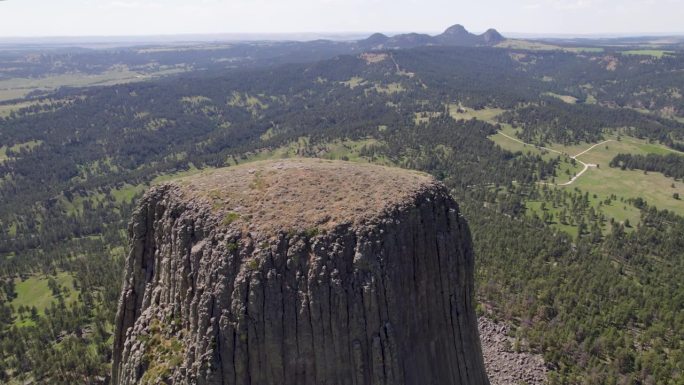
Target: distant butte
{"x":455,"y":35}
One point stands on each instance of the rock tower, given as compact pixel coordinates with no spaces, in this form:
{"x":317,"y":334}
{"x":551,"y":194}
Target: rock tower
{"x":298,"y":272}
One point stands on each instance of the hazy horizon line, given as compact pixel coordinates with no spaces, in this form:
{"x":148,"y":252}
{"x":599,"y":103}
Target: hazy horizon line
{"x":340,"y":35}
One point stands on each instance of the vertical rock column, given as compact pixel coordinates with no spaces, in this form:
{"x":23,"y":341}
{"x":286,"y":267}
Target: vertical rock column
{"x":379,"y":298}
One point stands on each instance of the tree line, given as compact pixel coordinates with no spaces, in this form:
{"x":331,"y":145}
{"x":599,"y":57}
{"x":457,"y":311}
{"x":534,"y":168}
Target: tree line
{"x":671,"y":165}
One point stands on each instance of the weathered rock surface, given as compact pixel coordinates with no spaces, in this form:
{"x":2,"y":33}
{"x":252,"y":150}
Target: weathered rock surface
{"x":505,"y":364}
{"x":299,"y":272}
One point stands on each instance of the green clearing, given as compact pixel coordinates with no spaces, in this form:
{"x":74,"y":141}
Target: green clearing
{"x":348,"y":150}
{"x":591,"y":99}
{"x":75,"y":206}
{"x":337,"y":149}
{"x":354,"y":82}
{"x":565,"y":171}
{"x":251,"y":103}
{"x":583,"y":49}
{"x":389,"y":89}
{"x":425,"y":116}
{"x":12,"y":229}
{"x":527,"y":45}
{"x":7,"y":109}
{"x":95,"y":168}
{"x":34,"y":291}
{"x":503,"y":139}
{"x":605,"y":182}
{"x":292,"y":150}
{"x":27,"y":146}
{"x":506,"y":139}
{"x":657,"y":53}
{"x":654,"y":187}
{"x":511,"y":145}
{"x":458,"y":112}
{"x":566,"y":98}
{"x":240,"y":100}
{"x":618,"y":210}
{"x":17,"y":88}
{"x":535,"y":207}
{"x":123,"y":194}
{"x":127,"y":193}
{"x":539,"y":46}
{"x":195,"y":100}
{"x":270,"y":133}
{"x":646,"y":111}
{"x":192,"y":47}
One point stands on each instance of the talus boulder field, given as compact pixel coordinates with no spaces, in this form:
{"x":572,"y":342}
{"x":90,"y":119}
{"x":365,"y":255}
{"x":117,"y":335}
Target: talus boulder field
{"x":298,"y":272}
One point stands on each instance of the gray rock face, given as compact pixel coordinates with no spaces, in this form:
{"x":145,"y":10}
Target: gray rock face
{"x":383,"y":296}
{"x":508,"y":362}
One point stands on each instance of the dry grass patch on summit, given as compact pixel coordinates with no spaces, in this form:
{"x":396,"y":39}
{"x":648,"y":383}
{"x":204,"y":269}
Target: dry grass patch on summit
{"x":303,"y":194}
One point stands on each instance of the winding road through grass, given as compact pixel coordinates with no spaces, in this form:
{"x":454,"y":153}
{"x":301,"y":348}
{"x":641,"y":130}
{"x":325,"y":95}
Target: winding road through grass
{"x":585,"y":165}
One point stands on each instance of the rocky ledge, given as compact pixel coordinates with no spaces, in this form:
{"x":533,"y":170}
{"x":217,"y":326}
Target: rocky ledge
{"x":298,"y":272}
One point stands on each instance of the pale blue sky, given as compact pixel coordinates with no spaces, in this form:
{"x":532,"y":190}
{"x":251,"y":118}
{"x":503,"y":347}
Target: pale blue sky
{"x":146,"y":17}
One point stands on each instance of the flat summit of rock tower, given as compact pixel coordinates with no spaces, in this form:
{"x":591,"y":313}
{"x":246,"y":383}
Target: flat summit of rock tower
{"x":300,"y":194}
{"x":298,"y":272}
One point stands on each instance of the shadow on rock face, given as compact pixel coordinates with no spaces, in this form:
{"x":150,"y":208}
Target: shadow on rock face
{"x":218,"y":290}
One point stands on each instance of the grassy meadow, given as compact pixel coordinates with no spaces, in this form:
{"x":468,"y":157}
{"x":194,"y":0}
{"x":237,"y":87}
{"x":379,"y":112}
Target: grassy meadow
{"x":657,"y":53}
{"x":602,"y":182}
{"x":35,"y":292}
{"x":17,"y":88}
